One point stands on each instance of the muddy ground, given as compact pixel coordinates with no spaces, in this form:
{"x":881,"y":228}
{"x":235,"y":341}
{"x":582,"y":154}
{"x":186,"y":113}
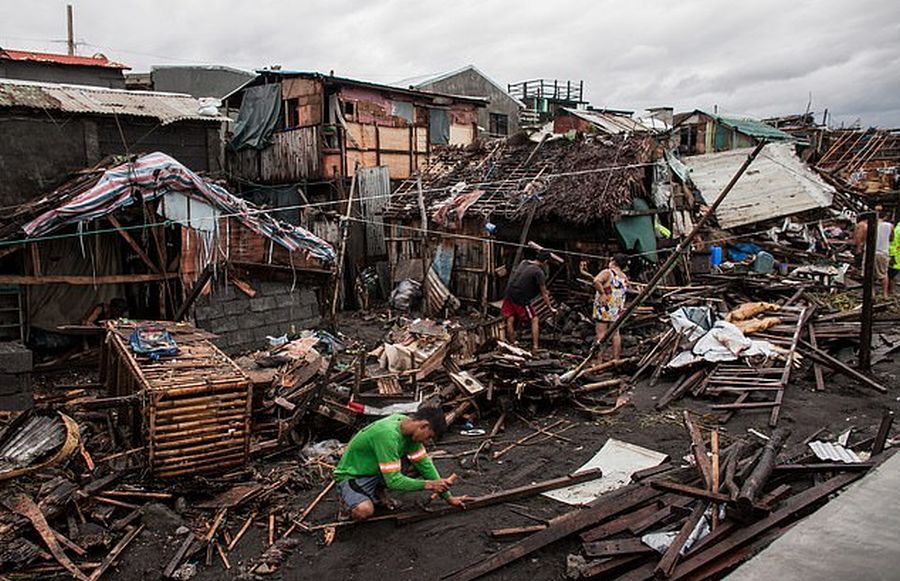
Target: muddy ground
{"x":434,"y":548}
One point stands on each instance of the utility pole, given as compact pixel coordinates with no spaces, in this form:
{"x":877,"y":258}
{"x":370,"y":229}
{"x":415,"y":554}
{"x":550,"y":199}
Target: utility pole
{"x":71,"y":28}
{"x":865,"y":327}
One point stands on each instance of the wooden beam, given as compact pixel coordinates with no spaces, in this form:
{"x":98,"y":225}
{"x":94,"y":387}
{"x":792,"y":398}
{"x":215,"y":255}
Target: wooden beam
{"x":607,"y":506}
{"x":195,"y":292}
{"x":132,"y":243}
{"x":670,"y":558}
{"x":504,"y":496}
{"x":832,"y":362}
{"x":741,"y":536}
{"x":692,"y":491}
{"x":79,"y":280}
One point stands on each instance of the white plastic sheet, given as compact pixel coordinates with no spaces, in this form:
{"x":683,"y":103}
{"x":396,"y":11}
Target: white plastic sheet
{"x":618,"y":460}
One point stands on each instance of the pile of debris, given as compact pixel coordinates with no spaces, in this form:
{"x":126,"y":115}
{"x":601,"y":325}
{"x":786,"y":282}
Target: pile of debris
{"x":697,"y":521}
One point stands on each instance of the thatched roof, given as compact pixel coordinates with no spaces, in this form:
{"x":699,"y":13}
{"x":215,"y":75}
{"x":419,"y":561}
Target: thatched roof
{"x":566,"y":176}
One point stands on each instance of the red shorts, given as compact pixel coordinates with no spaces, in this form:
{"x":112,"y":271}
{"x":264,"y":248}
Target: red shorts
{"x":523,"y":313}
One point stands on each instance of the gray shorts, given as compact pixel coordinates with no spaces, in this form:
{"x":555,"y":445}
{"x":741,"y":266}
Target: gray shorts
{"x":358,"y":490}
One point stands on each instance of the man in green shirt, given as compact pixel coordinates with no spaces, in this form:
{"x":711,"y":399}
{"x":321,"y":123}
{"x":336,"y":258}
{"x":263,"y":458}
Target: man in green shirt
{"x":373,"y":462}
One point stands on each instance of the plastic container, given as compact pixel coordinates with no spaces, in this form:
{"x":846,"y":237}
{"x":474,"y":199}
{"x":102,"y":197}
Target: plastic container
{"x":715,"y":255}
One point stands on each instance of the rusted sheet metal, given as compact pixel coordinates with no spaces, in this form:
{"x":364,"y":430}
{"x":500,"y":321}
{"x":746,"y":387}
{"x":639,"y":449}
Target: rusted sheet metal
{"x":165,"y":107}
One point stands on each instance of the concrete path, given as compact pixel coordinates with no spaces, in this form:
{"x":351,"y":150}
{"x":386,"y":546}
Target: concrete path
{"x":855,"y":536}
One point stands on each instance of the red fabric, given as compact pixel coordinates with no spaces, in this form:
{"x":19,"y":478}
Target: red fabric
{"x":523,"y":313}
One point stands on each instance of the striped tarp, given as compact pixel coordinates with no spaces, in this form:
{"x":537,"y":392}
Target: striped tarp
{"x":156,"y":175}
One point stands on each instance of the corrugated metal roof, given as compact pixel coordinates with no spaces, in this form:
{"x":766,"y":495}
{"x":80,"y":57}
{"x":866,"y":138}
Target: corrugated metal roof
{"x":98,"y":60}
{"x":776,"y":184}
{"x":747,"y":126}
{"x":834,"y":452}
{"x":166,"y":107}
{"x":610,"y":123}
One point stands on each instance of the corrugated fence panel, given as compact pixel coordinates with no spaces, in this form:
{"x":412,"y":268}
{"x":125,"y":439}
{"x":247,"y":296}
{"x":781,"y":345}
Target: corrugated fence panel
{"x":374,"y":192}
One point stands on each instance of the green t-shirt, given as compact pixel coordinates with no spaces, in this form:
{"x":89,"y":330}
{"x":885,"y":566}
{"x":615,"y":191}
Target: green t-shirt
{"x":378,"y":448}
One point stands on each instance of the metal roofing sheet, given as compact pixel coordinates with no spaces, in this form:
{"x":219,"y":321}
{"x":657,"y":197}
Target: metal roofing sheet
{"x":834,"y":452}
{"x":166,"y":107}
{"x":754,"y":127}
{"x":60,"y":59}
{"x":610,"y":123}
{"x":776,"y":184}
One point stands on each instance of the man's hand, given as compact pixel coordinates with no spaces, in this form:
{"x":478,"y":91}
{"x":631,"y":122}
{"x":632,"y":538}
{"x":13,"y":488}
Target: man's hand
{"x":439,"y":486}
{"x":458,"y":501}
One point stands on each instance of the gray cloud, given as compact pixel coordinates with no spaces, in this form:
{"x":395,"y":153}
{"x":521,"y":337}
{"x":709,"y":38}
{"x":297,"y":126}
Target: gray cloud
{"x":760,"y":58}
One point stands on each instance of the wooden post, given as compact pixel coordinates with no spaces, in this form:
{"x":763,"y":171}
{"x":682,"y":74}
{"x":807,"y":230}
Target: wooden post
{"x":754,"y":483}
{"x":339,"y":268}
{"x":70,"y":29}
{"x":664,"y":269}
{"x":865,"y":329}
{"x":887,"y":419}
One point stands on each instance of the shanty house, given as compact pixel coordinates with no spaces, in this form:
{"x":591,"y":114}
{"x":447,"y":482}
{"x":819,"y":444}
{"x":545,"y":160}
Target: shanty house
{"x":298,"y":126}
{"x":50,"y":130}
{"x":699,"y":132}
{"x":583,"y":198}
{"x":45,"y":67}
{"x":499,"y":118}
{"x":150,"y":239}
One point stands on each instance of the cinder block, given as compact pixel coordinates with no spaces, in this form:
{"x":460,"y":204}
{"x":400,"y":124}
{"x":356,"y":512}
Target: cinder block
{"x":237,"y":307}
{"x":15,"y":357}
{"x":286,"y":300}
{"x":17,"y":402}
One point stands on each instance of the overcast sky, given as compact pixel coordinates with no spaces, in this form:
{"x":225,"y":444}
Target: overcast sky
{"x":759,"y":57}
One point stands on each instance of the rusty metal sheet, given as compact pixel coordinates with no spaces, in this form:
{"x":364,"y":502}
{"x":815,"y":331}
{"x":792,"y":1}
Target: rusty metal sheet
{"x":165,"y":107}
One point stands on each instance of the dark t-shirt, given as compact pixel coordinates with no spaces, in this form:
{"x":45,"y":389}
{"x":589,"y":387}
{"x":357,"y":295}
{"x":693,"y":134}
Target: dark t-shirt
{"x":525,"y":283}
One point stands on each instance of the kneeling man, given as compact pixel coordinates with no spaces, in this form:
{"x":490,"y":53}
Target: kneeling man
{"x":374,"y":459}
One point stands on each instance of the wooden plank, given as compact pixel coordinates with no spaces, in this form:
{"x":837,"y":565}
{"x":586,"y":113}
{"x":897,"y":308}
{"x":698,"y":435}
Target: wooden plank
{"x":691,"y":491}
{"x":670,"y":558}
{"x":836,"y":365}
{"x":741,"y":536}
{"x":505,"y":496}
{"x":698,"y":448}
{"x":607,"y":506}
{"x":25,"y":506}
{"x":111,"y":557}
{"x":78,"y":280}
{"x":618,"y":525}
{"x":134,"y":245}
{"x":616,"y":547}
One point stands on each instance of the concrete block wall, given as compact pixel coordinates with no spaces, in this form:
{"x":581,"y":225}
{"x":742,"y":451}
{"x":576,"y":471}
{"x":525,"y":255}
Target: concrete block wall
{"x":16,"y":391}
{"x":242,"y":323}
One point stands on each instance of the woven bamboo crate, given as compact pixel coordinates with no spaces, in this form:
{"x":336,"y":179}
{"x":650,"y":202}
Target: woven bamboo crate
{"x":195,"y":407}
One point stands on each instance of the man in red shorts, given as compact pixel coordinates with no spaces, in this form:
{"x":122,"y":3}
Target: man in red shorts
{"x":527,"y":281}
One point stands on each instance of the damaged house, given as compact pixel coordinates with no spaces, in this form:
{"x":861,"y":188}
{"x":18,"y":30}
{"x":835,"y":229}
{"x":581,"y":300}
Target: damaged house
{"x":588,"y":197}
{"x":51,"y":130}
{"x":297,"y":126}
{"x":699,"y":132}
{"x":313,"y":140}
{"x":147,"y":238}
{"x":499,"y":118}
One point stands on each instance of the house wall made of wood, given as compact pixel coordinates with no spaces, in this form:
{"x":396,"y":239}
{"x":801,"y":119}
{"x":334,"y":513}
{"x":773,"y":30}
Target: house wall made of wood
{"x":389,"y":130}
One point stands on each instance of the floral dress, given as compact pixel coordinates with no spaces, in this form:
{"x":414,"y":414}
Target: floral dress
{"x":608,"y":307}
